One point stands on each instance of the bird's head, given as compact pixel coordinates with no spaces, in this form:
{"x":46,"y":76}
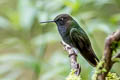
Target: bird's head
{"x":61,"y":20}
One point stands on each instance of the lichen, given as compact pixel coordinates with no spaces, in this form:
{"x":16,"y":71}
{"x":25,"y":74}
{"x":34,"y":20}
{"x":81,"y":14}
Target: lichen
{"x":72,"y":76}
{"x":115,"y":45}
{"x":98,"y":70}
{"x":112,"y":76}
{"x":116,"y":59}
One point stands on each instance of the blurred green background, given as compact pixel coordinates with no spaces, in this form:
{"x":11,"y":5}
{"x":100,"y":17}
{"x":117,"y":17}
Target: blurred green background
{"x":32,"y":51}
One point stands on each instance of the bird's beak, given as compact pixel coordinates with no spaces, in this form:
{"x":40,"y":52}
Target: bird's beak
{"x":47,"y":21}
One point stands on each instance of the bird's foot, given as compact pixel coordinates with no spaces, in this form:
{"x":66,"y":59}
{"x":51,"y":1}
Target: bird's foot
{"x":66,"y":46}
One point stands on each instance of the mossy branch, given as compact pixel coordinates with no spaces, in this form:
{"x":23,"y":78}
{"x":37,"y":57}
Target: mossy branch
{"x":108,"y":60}
{"x":72,"y":76}
{"x":73,"y":58}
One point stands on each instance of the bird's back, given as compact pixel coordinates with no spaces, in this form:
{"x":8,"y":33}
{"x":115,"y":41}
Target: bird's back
{"x":81,"y":41}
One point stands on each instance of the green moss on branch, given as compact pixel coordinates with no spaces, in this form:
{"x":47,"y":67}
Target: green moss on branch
{"x":72,"y":76}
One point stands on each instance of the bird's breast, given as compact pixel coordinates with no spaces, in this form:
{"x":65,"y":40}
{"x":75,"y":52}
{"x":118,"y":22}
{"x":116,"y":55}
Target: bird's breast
{"x":62,"y":30}
{"x":64,"y":34}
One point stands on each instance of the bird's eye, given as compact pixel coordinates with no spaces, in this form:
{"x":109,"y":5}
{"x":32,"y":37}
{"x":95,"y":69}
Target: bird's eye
{"x":61,"y":19}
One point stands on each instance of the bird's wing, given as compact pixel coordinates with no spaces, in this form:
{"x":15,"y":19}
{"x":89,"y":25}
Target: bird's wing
{"x":81,"y":41}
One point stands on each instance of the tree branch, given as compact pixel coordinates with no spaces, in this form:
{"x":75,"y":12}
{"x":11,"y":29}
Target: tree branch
{"x":73,"y":58}
{"x":107,"y":57}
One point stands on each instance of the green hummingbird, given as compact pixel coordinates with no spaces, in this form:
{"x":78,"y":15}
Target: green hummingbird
{"x":73,"y":35}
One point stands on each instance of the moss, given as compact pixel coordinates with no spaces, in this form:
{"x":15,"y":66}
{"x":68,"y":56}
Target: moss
{"x":116,"y":59}
{"x":112,"y":76}
{"x":115,"y":45}
{"x":98,"y":70}
{"x":72,"y":76}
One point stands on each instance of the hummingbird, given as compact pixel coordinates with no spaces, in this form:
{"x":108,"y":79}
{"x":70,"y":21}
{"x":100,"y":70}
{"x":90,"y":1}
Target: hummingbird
{"x":73,"y":35}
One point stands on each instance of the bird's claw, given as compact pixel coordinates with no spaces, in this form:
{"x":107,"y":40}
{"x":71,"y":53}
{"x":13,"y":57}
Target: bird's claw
{"x":66,"y":46}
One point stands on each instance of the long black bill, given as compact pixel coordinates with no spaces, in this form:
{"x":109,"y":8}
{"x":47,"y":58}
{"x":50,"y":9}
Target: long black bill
{"x":47,"y":21}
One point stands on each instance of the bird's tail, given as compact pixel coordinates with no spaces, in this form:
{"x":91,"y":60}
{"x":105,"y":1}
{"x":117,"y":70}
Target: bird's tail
{"x":90,"y":56}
